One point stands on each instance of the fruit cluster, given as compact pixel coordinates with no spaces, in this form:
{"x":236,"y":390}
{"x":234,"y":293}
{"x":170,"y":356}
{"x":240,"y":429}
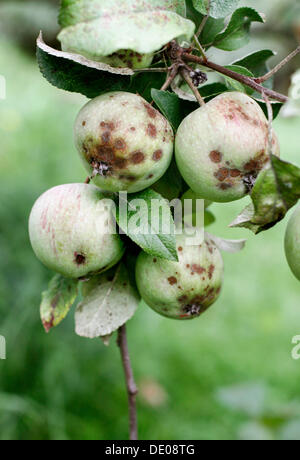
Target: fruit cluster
{"x":127,"y":145}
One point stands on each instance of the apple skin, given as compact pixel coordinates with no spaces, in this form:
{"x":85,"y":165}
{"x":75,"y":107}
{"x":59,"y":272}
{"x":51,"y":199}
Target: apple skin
{"x":67,"y":228}
{"x":181,"y":290}
{"x":124,"y":139}
{"x":221,"y":147}
{"x":292,"y":243}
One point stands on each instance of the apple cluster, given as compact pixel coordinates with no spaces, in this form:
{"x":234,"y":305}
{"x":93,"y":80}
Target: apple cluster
{"x":125,"y":144}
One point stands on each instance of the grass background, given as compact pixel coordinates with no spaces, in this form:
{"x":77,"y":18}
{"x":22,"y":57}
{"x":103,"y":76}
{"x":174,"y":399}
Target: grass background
{"x":60,"y":386}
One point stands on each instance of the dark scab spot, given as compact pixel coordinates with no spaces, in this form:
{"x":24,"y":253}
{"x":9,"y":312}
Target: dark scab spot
{"x":106,"y":137}
{"x":252,"y":165}
{"x":132,"y":129}
{"x":172,"y":280}
{"x":150,"y":176}
{"x":120,"y":144}
{"x":198,"y":269}
{"x":83,"y":123}
{"x":225,"y":186}
{"x":180,"y":249}
{"x":150,"y":110}
{"x":215,"y":156}
{"x":151,"y":130}
{"x":157,"y":155}
{"x":155,"y":260}
{"x":137,"y":158}
{"x":211,"y":271}
{"x":235,"y":172}
{"x":222,"y":174}
{"x":127,"y":178}
{"x":110,"y":126}
{"x":80,"y":259}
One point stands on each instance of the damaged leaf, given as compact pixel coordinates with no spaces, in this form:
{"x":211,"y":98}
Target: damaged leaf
{"x":232,"y":246}
{"x":100,"y":28}
{"x":57,"y":301}
{"x":109,"y":301}
{"x":276,"y":190}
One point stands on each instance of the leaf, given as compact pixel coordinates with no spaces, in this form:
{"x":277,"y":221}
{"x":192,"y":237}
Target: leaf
{"x":277,"y":189}
{"x":217,"y":8}
{"x":101,"y":28}
{"x":153,"y":232}
{"x":256,"y":62}
{"x":169,"y":105}
{"x":236,"y":85}
{"x":57,"y":301}
{"x":236,"y":34}
{"x":212,"y":28}
{"x":74,"y":11}
{"x":72,"y":72}
{"x":170,"y":186}
{"x":109,"y":302}
{"x":232,"y":246}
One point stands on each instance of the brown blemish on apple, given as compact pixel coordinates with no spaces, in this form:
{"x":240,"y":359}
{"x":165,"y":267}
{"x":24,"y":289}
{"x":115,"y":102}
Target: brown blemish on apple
{"x":137,"y":158}
{"x":235,"y":172}
{"x":222,"y":174}
{"x":150,"y":110}
{"x":211,"y":271}
{"x":151,"y":130}
{"x":180,"y":249}
{"x":225,"y":186}
{"x":83,"y":123}
{"x":172,"y":280}
{"x":155,"y":260}
{"x":120,"y":144}
{"x":157,"y":155}
{"x":198,"y":269}
{"x":215,"y":156}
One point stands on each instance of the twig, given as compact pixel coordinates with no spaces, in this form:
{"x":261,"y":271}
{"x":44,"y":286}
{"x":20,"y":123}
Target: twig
{"x":248,"y":81}
{"x":204,"y":21}
{"x":270,"y":126}
{"x":185,"y":74}
{"x":171,"y":76}
{"x":87,"y":180}
{"x":130,"y":383}
{"x":278,"y":67}
{"x":149,"y":69}
{"x":200,"y":47}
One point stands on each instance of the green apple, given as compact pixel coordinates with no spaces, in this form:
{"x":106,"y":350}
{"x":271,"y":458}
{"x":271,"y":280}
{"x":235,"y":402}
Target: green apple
{"x":292,"y":243}
{"x":124,"y":142}
{"x":184,"y":289}
{"x":71,"y":231}
{"x":221,"y":147}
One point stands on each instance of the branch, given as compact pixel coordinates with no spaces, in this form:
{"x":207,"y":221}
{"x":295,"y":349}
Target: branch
{"x":204,"y":21}
{"x":278,"y":67}
{"x":185,"y":74}
{"x":130,"y":383}
{"x":236,"y":76}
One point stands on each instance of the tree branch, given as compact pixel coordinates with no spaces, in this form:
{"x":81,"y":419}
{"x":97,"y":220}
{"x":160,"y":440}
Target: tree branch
{"x":278,"y":67}
{"x":130,"y":383}
{"x":236,"y":76}
{"x":185,"y":74}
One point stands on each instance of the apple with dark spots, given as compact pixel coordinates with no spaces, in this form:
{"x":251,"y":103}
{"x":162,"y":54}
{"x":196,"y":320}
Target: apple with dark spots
{"x":124,"y":142}
{"x":292,"y":243}
{"x":181,"y":290}
{"x":71,"y":231}
{"x":221,"y":147}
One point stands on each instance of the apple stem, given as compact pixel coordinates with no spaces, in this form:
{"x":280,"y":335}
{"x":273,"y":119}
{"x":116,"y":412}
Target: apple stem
{"x":204,"y":21}
{"x":248,"y":81}
{"x":278,"y":67}
{"x":130,"y":382}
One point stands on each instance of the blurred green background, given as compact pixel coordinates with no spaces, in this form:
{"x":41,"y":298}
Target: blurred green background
{"x":227,"y":375}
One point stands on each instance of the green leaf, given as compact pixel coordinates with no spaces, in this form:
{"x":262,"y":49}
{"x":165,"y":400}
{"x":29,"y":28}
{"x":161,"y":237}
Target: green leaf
{"x":277,"y":189}
{"x":75,"y":73}
{"x":276,"y":107}
{"x":217,"y":8}
{"x":109,"y":301}
{"x":101,"y":28}
{"x":170,"y":106}
{"x":153,"y":231}
{"x":236,"y":34}
{"x":170,"y":186}
{"x":236,"y":85}
{"x":256,"y":62}
{"x":212,"y":28}
{"x":57,"y":301}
